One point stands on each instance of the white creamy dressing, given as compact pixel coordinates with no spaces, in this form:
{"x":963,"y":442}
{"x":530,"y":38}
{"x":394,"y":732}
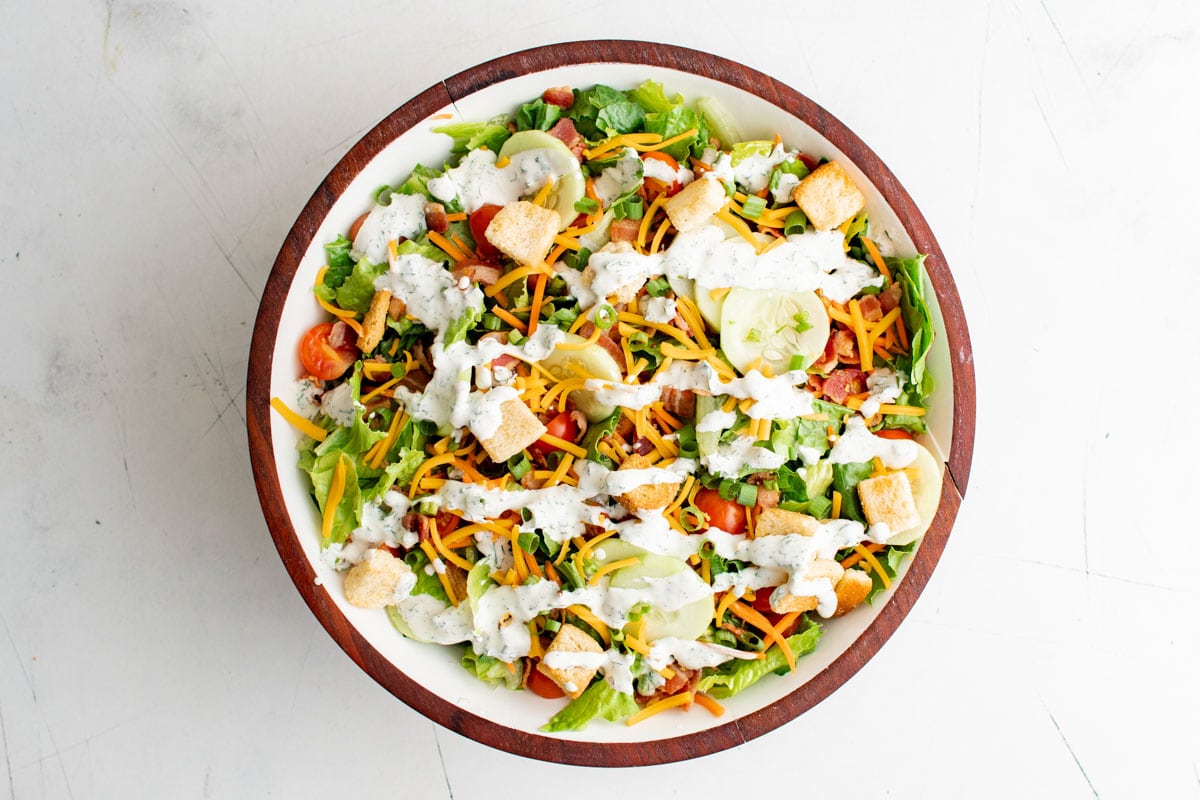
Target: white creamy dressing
{"x":803,"y":262}
{"x":402,"y":218}
{"x":660,"y":309}
{"x":477,"y":181}
{"x":858,"y":445}
{"x":338,"y":404}
{"x":429,"y":291}
{"x":777,"y":397}
{"x":661,"y":171}
{"x":431,"y":620}
{"x":307,"y":396}
{"x":692,"y":654}
{"x":752,"y":171}
{"x":741,"y":455}
{"x":615,"y":666}
{"x":717,"y":420}
{"x":623,"y":176}
{"x":883,"y":386}
{"x":784,"y":187}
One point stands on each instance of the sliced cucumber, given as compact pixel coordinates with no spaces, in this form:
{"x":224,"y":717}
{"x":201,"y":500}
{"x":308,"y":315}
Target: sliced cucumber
{"x":710,"y":307}
{"x":720,"y":122}
{"x":593,"y":360}
{"x":707,"y":441}
{"x":761,"y":323}
{"x":570,"y":186}
{"x":685,"y":623}
{"x":615,"y":550}
{"x":684,"y":287}
{"x":925,"y":475}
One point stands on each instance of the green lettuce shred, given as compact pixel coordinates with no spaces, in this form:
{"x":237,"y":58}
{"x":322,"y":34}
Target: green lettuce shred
{"x":598,"y":700}
{"x":735,"y":676}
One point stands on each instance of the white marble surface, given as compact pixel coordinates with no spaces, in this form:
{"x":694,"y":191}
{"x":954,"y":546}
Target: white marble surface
{"x":155,"y":155}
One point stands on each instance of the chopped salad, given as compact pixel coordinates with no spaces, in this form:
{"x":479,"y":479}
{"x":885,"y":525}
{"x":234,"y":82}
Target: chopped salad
{"x":617,"y":403}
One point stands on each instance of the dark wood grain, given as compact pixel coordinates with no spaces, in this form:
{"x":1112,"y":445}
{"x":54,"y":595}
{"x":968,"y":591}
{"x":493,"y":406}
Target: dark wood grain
{"x":393,"y":678}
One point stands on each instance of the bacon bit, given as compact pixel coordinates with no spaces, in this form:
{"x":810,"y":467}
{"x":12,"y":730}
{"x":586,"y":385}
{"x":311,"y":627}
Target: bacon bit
{"x":643,"y":446}
{"x":560,"y":96}
{"x":680,"y":402}
{"x":624,"y":230}
{"x":871,"y":307}
{"x":889,"y":298}
{"x":767,"y":498}
{"x":682,"y":680}
{"x":816,"y":384}
{"x":476,"y":270}
{"x":564,"y":130}
{"x":435,"y":218}
{"x":842,"y":383}
{"x":339,"y":334}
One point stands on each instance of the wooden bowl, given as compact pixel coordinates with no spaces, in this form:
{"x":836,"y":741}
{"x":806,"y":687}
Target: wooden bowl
{"x":427,"y":677}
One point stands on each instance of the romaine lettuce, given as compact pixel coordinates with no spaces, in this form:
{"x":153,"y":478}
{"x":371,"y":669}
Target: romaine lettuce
{"x":735,"y":676}
{"x":598,"y":700}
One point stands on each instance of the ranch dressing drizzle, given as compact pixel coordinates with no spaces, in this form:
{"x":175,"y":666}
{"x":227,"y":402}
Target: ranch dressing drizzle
{"x":477,"y":181}
{"x":402,"y":218}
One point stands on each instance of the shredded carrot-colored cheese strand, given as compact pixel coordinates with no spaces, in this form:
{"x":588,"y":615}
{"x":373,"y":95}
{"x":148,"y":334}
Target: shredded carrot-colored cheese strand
{"x":869,"y":557}
{"x":611,"y":567}
{"x":585,"y":614}
{"x":337,"y":487}
{"x":535,"y":306}
{"x":434,"y":558}
{"x":710,"y":705}
{"x":515,"y":275}
{"x":675,"y":700}
{"x":756,"y":619}
{"x":309,"y":429}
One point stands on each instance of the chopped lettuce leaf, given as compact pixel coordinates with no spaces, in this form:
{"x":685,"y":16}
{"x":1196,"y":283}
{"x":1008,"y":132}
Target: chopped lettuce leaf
{"x":404,"y":465}
{"x":652,"y":98}
{"x":356,"y":293}
{"x":890,"y":559}
{"x":621,"y":117}
{"x":473,"y":135}
{"x":743,"y":150}
{"x":598,"y":700}
{"x":492,"y":671}
{"x":427,"y":582}
{"x":846,"y":478}
{"x":347,"y":516}
{"x":587,"y":107}
{"x":538,"y":116}
{"x":917,"y":318}
{"x":674,"y":122}
{"x":735,"y":676}
{"x":597,"y":431}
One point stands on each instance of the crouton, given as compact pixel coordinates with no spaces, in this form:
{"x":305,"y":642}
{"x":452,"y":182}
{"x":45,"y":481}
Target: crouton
{"x":888,"y":499}
{"x":625,"y":293}
{"x":524,"y":232}
{"x":519,"y":428}
{"x":651,"y":495}
{"x":396,"y":308}
{"x":820,"y":568}
{"x":372,"y":582}
{"x":375,"y":321}
{"x":828,"y":196}
{"x":852,"y":590}
{"x":573,"y":679}
{"x":777,"y":522}
{"x":695,"y":204}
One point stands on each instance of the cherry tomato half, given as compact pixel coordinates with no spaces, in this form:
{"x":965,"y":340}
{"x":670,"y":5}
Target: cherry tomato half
{"x":561,"y":426}
{"x":321,"y":358}
{"x":479,"y":225}
{"x":542,"y":686}
{"x":357,"y":226}
{"x":724,"y":514}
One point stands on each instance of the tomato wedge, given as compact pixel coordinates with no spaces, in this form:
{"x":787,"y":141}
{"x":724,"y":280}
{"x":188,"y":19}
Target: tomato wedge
{"x":893,"y":433}
{"x":321,"y":358}
{"x":724,"y":514}
{"x":562,"y":427}
{"x":542,"y":686}
{"x":479,"y":224}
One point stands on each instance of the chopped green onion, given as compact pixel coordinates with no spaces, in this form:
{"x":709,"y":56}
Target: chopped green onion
{"x":754,"y":207}
{"x":492,"y":323}
{"x":692,"y":519}
{"x":399,"y":370}
{"x":797,"y":362}
{"x":802,"y":323}
{"x":428,"y":506}
{"x":519,"y":466}
{"x":586,"y":205}
{"x":658,"y":287}
{"x":747,"y":494}
{"x":515,"y":337}
{"x":606,"y":316}
{"x":570,"y":574}
{"x":796,"y":222}
{"x":755,"y":335}
{"x":728,"y":489}
{"x":552,"y":625}
{"x":427,"y":426}
{"x":632,"y":208}
{"x":528,"y":541}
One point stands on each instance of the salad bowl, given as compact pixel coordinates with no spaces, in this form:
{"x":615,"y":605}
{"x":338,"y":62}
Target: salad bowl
{"x":429,"y":678}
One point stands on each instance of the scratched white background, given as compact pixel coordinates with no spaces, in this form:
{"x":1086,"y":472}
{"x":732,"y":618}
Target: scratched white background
{"x":155,"y":155}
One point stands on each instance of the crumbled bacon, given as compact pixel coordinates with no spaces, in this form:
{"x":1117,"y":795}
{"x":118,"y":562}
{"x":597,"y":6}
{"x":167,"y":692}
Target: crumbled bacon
{"x":564,"y":130}
{"x":889,"y":298}
{"x":339,"y":334}
{"x":842,"y":383}
{"x":435,"y":218}
{"x":872,"y":309}
{"x":680,"y":402}
{"x":643,"y":446}
{"x":606,"y":342}
{"x":560,"y":96}
{"x":624,"y":230}
{"x":681,"y":681}
{"x":840,"y":346}
{"x":767,"y":498}
{"x":477,"y":270}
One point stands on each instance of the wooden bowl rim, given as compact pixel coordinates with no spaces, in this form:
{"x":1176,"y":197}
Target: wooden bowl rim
{"x":440,"y":710}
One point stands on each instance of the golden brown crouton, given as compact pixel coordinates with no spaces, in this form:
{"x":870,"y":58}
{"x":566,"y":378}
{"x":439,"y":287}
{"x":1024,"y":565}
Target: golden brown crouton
{"x":524,"y":231}
{"x":371,"y":583}
{"x":828,"y":196}
{"x":776,"y":522}
{"x":651,"y":495}
{"x":571,"y":679}
{"x":625,"y":293}
{"x":820,"y":568}
{"x":396,"y":308}
{"x":888,"y":499}
{"x":851,"y":590}
{"x":519,"y":429}
{"x":375,"y":321}
{"x":695,"y":204}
